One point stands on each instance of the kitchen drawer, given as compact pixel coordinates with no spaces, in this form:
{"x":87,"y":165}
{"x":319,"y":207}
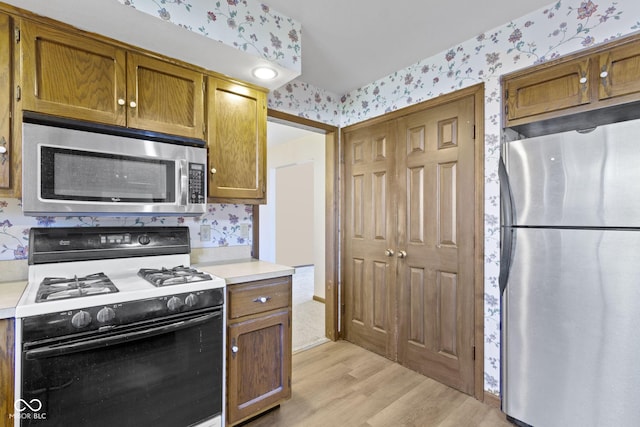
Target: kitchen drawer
{"x":258,"y":297}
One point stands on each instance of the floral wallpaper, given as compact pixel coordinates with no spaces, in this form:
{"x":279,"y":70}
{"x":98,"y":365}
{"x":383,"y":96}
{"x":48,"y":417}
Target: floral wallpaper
{"x":226,"y":223}
{"x":249,"y":26}
{"x":304,"y":100}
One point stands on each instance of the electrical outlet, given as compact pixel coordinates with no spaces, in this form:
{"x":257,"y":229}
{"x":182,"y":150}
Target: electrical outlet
{"x":205,"y":233}
{"x":244,"y":231}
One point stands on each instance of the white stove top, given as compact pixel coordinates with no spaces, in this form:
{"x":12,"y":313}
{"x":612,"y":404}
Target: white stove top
{"x":123,"y":273}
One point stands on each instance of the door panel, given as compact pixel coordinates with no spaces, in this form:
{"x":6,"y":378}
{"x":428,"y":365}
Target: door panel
{"x":435,"y":280}
{"x":370,"y":231}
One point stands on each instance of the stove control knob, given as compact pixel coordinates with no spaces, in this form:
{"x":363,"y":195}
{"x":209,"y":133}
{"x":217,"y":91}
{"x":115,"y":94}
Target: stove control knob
{"x":144,"y":239}
{"x":106,"y":314}
{"x":174,"y":304}
{"x":81,"y":319}
{"x":191,"y":300}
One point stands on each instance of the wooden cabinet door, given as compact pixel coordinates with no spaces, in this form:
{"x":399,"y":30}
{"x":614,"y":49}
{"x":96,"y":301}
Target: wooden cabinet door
{"x":258,"y":364}
{"x":71,"y":76}
{"x":555,"y":88}
{"x":6,"y":101}
{"x":164,"y":97}
{"x":6,"y":370}
{"x":237,"y":117}
{"x":620,"y":71}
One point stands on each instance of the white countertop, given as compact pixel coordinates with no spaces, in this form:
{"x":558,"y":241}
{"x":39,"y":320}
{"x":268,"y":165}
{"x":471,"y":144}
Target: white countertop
{"x":10,"y":293}
{"x":246,"y":270}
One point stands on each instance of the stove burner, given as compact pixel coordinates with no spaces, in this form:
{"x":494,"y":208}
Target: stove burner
{"x":57,"y":288}
{"x":174,"y":276}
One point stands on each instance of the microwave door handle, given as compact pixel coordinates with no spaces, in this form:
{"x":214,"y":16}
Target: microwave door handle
{"x":75,"y":347}
{"x":184,"y":182}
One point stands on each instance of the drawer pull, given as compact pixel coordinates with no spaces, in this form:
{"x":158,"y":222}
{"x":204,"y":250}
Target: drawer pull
{"x":234,"y":349}
{"x":262,"y":300}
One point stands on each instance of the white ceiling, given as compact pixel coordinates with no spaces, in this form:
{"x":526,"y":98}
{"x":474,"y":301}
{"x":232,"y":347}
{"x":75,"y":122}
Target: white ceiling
{"x":349,"y":44}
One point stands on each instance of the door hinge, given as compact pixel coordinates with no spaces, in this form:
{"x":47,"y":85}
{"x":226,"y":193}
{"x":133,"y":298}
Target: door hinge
{"x":474,"y":352}
{"x":16,"y":33}
{"x":289,"y":381}
{"x":474,"y":132}
{"x":18,"y":93}
{"x":289,"y":319}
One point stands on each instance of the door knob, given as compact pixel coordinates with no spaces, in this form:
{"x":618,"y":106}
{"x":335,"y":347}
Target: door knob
{"x":402,"y":254}
{"x":121,"y":101}
{"x":389,"y":252}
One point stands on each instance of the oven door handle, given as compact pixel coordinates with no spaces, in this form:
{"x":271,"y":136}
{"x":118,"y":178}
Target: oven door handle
{"x":75,"y":347}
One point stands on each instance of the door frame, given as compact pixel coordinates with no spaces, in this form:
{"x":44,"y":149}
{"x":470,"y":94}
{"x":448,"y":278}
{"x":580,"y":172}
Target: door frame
{"x":477,"y":91}
{"x":332,"y":249}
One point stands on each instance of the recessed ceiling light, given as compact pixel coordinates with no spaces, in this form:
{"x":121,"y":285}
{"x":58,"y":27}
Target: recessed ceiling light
{"x":265,"y":73}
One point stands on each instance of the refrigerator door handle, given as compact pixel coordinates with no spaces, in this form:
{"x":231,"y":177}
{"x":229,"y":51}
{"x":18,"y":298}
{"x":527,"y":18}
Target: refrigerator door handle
{"x":507,"y":233}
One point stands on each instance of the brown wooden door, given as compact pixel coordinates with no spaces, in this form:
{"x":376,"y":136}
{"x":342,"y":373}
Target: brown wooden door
{"x":620,"y":71}
{"x":370,"y":231}
{"x":436,"y":223}
{"x":164,"y":97}
{"x":237,"y":126}
{"x":410,"y":193}
{"x":258,"y":364}
{"x":71,"y":76}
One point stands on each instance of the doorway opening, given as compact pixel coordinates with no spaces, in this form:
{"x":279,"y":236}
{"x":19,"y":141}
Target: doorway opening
{"x":292,"y":226}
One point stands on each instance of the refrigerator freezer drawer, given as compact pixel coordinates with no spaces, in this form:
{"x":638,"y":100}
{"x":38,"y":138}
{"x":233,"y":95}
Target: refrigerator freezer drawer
{"x":571,"y":337}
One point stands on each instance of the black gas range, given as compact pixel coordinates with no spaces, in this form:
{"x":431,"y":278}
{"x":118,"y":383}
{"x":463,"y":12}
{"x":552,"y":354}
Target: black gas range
{"x":116,"y":326}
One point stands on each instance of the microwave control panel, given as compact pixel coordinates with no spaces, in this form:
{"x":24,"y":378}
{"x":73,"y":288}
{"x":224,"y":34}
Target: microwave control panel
{"x":196,"y":183}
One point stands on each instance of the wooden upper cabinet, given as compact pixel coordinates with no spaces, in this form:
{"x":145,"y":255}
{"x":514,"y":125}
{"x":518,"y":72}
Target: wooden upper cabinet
{"x":10,"y":143}
{"x":164,"y":97}
{"x":237,"y":119}
{"x":68,"y":75}
{"x":590,"y":88}
{"x":619,"y":72}
{"x":72,"y":76}
{"x":551,"y":89}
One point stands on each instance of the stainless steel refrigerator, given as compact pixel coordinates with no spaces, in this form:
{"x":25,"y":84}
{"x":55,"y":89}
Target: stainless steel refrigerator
{"x":570,"y":278}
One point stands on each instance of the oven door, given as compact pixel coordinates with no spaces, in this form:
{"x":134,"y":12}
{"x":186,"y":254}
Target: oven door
{"x":160,"y":373}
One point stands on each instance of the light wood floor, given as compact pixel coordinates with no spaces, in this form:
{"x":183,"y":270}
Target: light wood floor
{"x":340,"y":384}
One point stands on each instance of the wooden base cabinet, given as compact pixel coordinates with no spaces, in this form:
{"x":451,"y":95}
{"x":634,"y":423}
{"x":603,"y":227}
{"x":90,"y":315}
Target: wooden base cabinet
{"x":258,"y":347}
{"x":6,"y":370}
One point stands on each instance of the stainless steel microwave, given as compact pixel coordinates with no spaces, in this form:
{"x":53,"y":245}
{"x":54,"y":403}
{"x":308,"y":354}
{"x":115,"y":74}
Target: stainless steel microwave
{"x":78,"y":172}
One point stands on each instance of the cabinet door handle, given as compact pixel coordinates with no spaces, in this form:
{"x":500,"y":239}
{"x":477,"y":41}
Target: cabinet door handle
{"x":262,"y":300}
{"x":133,"y":104}
{"x":604,"y":74}
{"x":389,"y":252}
{"x":213,"y":170}
{"x":121,"y":101}
{"x":583,"y":80}
{"x":402,"y":254}
{"x":3,"y":150}
{"x":234,"y":349}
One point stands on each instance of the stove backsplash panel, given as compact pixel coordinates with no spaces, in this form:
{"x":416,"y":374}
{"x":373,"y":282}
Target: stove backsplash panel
{"x":228,"y":225}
